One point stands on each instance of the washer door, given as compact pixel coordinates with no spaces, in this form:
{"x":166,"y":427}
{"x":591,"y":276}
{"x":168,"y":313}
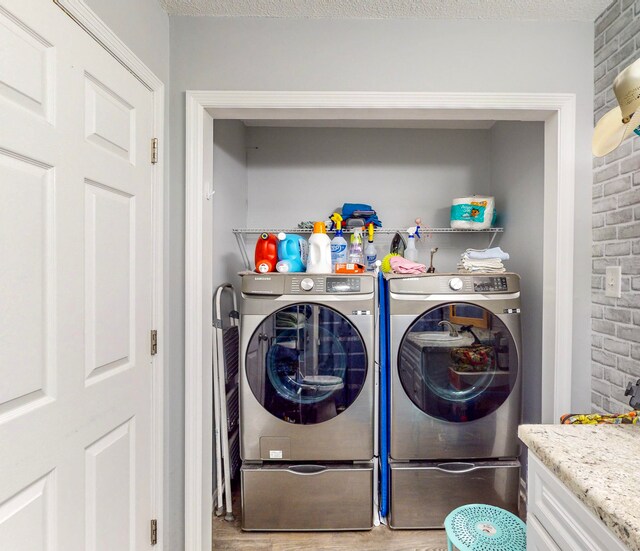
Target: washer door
{"x":458,"y":362}
{"x":306,"y":363}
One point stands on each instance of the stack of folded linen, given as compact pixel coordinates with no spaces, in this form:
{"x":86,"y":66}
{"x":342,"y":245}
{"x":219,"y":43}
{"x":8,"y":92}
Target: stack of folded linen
{"x":483,"y":260}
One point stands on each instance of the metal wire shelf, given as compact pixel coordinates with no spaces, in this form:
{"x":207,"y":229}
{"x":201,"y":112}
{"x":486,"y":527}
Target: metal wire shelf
{"x":240,"y":234}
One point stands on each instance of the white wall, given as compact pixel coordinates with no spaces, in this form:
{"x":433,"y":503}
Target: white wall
{"x":517,"y":182}
{"x":230,"y":199}
{"x":144,"y":27}
{"x":298,"y":174}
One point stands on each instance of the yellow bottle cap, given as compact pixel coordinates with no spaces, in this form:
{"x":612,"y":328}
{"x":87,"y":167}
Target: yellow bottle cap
{"x":319,"y":227}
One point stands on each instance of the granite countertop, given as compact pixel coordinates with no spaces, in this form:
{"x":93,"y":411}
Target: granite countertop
{"x":599,"y":464}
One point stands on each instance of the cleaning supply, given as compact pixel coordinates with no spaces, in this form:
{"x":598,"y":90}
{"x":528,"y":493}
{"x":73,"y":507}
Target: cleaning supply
{"x":292,"y":253}
{"x":356,"y":254}
{"x":338,"y":244}
{"x":386,"y":265}
{"x":266,"y":255}
{"x":411,"y":253}
{"x":336,"y":222}
{"x":319,"y":259}
{"x":472,"y":213}
{"x":348,"y":268}
{"x":370,"y":253}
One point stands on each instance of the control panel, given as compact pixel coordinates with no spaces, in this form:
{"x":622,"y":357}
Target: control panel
{"x":343,"y":285}
{"x":326,"y":284}
{"x":489,"y":284}
{"x":274,"y":283}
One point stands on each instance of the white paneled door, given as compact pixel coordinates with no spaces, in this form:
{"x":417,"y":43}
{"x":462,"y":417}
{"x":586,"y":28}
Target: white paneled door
{"x":76,"y":460}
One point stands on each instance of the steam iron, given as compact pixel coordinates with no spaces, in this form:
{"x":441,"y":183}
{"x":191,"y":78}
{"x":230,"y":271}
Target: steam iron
{"x":398,"y":244}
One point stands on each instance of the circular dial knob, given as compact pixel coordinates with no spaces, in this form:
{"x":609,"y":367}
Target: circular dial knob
{"x":455,"y":284}
{"x":306,"y":284}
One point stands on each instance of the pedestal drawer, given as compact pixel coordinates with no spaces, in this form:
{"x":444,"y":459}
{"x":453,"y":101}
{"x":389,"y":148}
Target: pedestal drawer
{"x":424,"y":493}
{"x":307,"y":497}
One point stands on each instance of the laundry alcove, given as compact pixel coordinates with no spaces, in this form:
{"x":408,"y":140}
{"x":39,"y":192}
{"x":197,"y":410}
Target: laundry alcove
{"x":267,"y":168}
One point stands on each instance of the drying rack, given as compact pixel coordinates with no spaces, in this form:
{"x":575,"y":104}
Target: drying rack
{"x":226,"y":346}
{"x":241,"y":234}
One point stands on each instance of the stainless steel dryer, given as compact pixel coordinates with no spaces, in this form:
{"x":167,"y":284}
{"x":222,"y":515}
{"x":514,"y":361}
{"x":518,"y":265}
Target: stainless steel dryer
{"x":307,"y":390}
{"x":455,"y":385}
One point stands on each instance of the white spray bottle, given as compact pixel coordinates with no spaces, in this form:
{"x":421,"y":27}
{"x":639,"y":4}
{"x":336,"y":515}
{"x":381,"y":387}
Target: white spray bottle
{"x":370,"y":253}
{"x":411,"y":253}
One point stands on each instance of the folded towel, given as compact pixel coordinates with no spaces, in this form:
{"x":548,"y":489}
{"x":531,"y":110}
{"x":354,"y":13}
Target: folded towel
{"x":479,"y":254}
{"x":479,"y":269}
{"x":487,"y":262}
{"x":487,"y":265}
{"x":401,"y":265}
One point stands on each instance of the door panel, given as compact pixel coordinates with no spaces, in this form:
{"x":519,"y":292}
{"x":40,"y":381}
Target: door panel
{"x":28,"y":517}
{"x":75,"y":285}
{"x":26,"y":293}
{"x":111,"y":491}
{"x":109,"y":274}
{"x":109,"y":119}
{"x":30,"y":86}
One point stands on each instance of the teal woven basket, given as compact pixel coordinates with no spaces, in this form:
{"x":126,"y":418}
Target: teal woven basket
{"x":480,"y":527}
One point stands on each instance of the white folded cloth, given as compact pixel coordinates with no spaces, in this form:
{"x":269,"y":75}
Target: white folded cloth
{"x":479,"y":254}
{"x":481,"y":269}
{"x":483,"y":260}
{"x":486,"y":264}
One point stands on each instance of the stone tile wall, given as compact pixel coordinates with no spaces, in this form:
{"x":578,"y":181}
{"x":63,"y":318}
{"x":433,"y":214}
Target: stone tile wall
{"x":615,"y":341}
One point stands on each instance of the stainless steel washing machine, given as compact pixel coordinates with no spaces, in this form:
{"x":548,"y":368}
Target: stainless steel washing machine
{"x":307,"y":389}
{"x":455,"y":385}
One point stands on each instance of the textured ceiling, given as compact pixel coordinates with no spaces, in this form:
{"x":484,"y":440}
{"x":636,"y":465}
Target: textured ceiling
{"x":559,"y":10}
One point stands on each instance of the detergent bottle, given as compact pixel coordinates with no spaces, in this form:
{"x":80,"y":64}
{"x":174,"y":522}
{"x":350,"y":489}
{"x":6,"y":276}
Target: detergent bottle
{"x":266,"y":255}
{"x":411,"y":253}
{"x":319,"y":260}
{"x":356,"y":254}
{"x":338,"y":245}
{"x":370,"y":253}
{"x":292,"y":253}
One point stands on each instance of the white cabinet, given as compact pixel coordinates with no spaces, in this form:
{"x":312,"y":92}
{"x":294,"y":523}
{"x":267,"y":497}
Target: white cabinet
{"x":558,"y":521}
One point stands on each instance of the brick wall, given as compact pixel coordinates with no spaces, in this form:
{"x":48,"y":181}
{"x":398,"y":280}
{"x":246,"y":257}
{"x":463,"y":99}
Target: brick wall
{"x":615,"y":341}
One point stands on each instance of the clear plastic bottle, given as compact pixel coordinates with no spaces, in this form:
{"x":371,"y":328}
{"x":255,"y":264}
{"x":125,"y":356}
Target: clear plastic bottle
{"x":370,"y":253}
{"x":338,"y":249}
{"x":356,"y":253}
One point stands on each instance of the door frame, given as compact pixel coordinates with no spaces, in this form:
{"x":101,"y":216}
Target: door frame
{"x":557,"y":111}
{"x":86,"y":18}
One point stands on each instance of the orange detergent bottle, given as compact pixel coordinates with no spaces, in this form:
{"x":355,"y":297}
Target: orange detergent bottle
{"x":266,"y":256}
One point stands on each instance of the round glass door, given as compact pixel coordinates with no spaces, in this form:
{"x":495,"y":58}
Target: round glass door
{"x":306,"y":363}
{"x":458,"y":362}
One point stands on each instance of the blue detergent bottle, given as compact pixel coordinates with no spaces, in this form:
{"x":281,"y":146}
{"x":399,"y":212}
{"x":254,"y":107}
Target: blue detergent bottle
{"x":292,"y":253}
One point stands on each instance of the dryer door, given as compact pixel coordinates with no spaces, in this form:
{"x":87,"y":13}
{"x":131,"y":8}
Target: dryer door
{"x":306,"y":363}
{"x":458,"y":362}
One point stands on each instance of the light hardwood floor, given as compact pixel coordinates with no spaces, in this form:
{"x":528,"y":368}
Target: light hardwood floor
{"x":228,"y":536}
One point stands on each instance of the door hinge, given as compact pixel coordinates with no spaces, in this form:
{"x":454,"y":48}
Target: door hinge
{"x":154,"y":531}
{"x":154,"y":342}
{"x":154,"y":151}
